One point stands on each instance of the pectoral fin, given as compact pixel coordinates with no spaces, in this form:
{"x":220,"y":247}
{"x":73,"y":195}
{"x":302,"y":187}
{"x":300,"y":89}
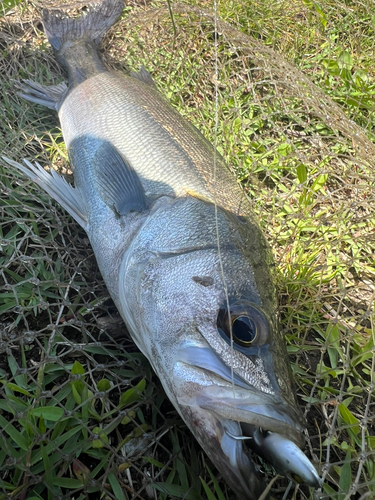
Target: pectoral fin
{"x":119,"y":182}
{"x":116,"y":182}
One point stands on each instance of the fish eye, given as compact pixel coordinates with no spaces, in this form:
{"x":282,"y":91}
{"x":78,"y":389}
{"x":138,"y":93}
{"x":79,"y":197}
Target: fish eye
{"x":245,"y":323}
{"x":244,"y":330}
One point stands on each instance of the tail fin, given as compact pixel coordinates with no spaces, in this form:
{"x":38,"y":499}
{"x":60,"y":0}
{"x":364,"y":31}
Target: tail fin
{"x":96,"y":18}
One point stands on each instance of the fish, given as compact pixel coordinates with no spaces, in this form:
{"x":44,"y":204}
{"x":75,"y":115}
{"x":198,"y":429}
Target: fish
{"x":181,"y":253}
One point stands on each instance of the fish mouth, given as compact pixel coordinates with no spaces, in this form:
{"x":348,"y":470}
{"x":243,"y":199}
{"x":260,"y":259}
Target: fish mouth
{"x":203,"y":380}
{"x":266,"y":424}
{"x":250,"y":408}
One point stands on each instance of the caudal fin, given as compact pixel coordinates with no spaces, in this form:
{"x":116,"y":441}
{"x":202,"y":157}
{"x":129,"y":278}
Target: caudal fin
{"x":96,"y":18}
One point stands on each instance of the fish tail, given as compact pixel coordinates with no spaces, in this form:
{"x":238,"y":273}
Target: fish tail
{"x":96,"y":19}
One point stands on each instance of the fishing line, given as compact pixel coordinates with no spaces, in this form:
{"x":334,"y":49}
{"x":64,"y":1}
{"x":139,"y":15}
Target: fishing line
{"x":237,"y":438}
{"x":216,"y":119}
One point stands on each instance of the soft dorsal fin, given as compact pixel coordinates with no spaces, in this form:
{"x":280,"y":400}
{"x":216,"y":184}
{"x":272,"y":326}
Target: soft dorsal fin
{"x":144,"y":76}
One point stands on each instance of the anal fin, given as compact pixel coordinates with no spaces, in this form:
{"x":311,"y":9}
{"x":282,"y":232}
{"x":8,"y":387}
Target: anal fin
{"x":50,"y":96}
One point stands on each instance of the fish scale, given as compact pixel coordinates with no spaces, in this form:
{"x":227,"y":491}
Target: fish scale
{"x":180,"y":252}
{"x":128,"y":110}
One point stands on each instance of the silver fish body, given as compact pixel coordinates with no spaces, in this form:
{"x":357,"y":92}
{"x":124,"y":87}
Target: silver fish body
{"x":178,"y":247}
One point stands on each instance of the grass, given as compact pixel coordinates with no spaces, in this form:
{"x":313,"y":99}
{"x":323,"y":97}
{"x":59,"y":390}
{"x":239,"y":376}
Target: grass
{"x":80,"y":410}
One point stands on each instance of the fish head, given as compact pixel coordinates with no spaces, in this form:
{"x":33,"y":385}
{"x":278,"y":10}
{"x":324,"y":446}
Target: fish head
{"x":205,"y":313}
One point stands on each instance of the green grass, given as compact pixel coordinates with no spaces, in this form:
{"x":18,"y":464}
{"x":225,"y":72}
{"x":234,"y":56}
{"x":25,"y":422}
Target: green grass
{"x":75,"y":402}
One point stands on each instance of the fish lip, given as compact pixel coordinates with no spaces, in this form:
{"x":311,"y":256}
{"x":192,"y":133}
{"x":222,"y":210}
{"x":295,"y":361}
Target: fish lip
{"x":236,"y":403}
{"x":232,"y":407}
{"x":272,"y":415}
